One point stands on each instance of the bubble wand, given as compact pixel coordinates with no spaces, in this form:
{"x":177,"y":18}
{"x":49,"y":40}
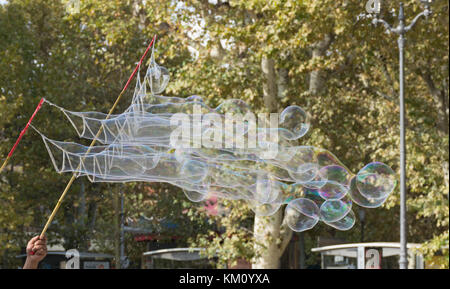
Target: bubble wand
{"x":72,"y":179}
{"x":24,"y":130}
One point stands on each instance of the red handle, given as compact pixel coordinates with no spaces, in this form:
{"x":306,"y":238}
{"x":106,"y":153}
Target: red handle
{"x":26,"y":127}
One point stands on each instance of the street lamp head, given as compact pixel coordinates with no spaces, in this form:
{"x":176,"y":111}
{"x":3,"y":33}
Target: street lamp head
{"x":362,"y":214}
{"x":427,"y":4}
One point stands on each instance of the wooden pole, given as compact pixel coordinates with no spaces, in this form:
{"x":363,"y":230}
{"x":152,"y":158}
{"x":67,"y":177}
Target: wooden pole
{"x":72,"y":179}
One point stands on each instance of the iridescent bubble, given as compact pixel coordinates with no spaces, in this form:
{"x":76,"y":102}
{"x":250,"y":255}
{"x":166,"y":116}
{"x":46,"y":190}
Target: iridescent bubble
{"x":344,"y":224}
{"x":291,"y":192}
{"x":313,"y":195}
{"x":326,"y":158}
{"x":335,"y":186}
{"x":294,"y":122}
{"x":334,"y":210}
{"x":301,"y":214}
{"x":361,"y":200}
{"x":331,"y":190}
{"x":201,"y":150}
{"x":315,"y":183}
{"x":376,"y":181}
{"x":335,"y":173}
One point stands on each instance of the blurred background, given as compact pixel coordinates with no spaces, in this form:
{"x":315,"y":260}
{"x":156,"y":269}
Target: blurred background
{"x":324,"y":56}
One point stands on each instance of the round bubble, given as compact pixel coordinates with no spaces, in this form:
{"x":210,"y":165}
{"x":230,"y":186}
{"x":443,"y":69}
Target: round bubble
{"x":301,"y":214}
{"x":335,"y":186}
{"x":344,"y":224}
{"x":334,"y":210}
{"x":331,"y":190}
{"x":361,"y":200}
{"x":335,"y":173}
{"x":313,"y":195}
{"x":294,"y":122}
{"x":376,"y":181}
{"x":315,"y":183}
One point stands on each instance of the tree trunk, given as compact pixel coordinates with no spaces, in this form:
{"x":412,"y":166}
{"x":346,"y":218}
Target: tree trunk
{"x":282,"y":83}
{"x":266,"y":233}
{"x":441,"y":100}
{"x":316,"y":78}
{"x":270,"y":85}
{"x":269,"y":231}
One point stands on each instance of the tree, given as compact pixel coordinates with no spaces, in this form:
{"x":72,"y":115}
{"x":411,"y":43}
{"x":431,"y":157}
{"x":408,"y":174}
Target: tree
{"x":316,"y":54}
{"x":344,"y":74}
{"x":74,"y":60}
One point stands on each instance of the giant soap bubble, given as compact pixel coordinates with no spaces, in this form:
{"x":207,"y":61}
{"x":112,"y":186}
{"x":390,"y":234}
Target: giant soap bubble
{"x":376,"y":181}
{"x":224,"y":152}
{"x":360,"y":199}
{"x":345,"y":223}
{"x":294,"y":122}
{"x":334,"y":210}
{"x":301,"y":214}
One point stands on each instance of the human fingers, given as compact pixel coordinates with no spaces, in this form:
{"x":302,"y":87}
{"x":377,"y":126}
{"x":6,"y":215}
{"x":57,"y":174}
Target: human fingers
{"x":39,"y":247}
{"x":33,"y":240}
{"x":40,"y":252}
{"x":40,"y":242}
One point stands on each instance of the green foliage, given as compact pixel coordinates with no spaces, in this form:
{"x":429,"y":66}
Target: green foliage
{"x":82,"y":60}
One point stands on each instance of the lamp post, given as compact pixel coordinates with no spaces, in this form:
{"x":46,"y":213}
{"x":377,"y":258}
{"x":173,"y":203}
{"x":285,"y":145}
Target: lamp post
{"x":362,"y":219}
{"x":122,"y":231}
{"x":401,"y":30}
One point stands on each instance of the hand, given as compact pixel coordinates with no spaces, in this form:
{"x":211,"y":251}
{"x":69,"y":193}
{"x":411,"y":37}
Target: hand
{"x":36,"y":251}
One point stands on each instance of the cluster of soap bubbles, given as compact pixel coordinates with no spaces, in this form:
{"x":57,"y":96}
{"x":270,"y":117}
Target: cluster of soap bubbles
{"x":138,"y":145}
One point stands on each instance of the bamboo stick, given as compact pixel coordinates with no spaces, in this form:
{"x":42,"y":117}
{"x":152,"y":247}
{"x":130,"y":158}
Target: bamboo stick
{"x":72,"y":179}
